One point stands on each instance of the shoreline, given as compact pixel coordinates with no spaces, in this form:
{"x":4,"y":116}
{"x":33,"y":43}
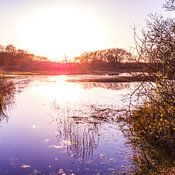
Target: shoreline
{"x":106,"y":76}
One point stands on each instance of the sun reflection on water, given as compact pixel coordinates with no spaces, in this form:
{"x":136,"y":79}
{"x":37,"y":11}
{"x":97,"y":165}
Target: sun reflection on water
{"x":66,"y":122}
{"x":60,"y":89}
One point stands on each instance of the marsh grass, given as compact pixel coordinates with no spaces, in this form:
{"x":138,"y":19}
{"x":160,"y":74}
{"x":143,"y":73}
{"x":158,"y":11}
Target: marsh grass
{"x":151,"y":132}
{"x":82,"y":128}
{"x":7,"y":91}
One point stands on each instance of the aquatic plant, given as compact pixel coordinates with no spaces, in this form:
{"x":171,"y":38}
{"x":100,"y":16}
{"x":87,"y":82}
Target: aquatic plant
{"x":7,"y":91}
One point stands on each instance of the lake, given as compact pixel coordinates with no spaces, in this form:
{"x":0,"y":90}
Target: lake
{"x":58,"y":127}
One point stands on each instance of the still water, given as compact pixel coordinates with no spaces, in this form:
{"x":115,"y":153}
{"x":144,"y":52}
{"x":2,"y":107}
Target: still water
{"x":58,"y":127}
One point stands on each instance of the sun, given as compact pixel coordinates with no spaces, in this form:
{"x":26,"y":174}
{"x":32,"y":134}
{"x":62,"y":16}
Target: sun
{"x":60,"y":31}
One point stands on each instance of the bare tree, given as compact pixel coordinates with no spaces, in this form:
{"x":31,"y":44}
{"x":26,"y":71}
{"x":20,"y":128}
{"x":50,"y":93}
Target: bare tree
{"x":170,"y":5}
{"x":151,"y":126}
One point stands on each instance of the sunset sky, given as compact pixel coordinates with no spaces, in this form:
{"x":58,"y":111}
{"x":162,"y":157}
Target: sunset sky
{"x":55,"y":28}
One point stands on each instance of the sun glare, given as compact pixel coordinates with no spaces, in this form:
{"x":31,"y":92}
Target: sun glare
{"x":59,"y":89}
{"x":61,"y":31}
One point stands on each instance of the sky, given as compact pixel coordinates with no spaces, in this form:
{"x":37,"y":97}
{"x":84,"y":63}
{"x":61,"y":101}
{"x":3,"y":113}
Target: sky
{"x":59,"y":28}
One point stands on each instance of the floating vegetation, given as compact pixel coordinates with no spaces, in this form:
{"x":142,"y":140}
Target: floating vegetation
{"x":80,"y":128}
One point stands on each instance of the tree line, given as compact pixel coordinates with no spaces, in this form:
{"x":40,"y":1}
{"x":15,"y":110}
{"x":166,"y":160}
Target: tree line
{"x":115,"y":59}
{"x":18,"y":59}
{"x":114,"y":55}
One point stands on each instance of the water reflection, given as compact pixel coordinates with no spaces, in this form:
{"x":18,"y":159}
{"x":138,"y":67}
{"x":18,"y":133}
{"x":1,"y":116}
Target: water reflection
{"x":7,"y":91}
{"x":8,"y":88}
{"x":108,"y":85}
{"x":81,"y":128}
{"x":88,"y":139}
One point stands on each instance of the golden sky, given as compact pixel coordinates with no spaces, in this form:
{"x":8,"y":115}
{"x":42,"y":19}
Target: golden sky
{"x":55,"y":28}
